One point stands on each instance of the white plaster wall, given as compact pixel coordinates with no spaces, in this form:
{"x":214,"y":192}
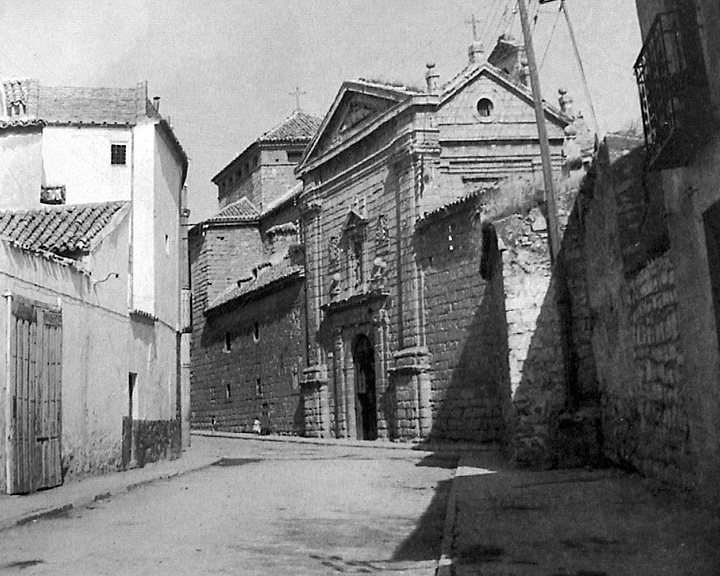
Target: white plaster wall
{"x":143,"y":227}
{"x":20,"y":168}
{"x":153,"y":357}
{"x":95,"y":347}
{"x":79,"y":158}
{"x":168,"y":182}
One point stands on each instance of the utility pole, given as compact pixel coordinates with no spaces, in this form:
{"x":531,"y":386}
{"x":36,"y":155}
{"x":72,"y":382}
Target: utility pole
{"x":553,"y":228}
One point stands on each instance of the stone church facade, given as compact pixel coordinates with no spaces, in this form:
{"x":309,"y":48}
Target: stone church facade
{"x":402,"y":288}
{"x":406,"y":315}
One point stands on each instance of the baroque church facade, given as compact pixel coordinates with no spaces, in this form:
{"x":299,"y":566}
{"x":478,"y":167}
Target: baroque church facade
{"x":405,"y":302}
{"x":400,"y":316}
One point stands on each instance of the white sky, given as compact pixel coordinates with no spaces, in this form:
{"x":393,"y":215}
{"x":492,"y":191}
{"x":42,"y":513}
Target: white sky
{"x":225,"y":68}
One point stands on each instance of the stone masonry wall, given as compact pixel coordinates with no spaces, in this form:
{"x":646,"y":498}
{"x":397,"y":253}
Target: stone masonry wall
{"x":635,"y":335}
{"x":248,"y":364}
{"x":537,"y":372}
{"x":466,"y":332}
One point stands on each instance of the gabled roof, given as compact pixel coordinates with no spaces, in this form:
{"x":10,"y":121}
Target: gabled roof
{"x":470,"y":73}
{"x":298,"y":127}
{"x":242,"y":210}
{"x":389,"y":94}
{"x":268,"y":274}
{"x":401,"y":97}
{"x":63,"y":230}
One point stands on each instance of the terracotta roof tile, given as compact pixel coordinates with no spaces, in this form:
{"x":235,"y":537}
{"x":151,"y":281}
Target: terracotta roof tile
{"x":242,"y":210}
{"x":63,"y":105}
{"x":298,"y":126}
{"x":62,"y":230}
{"x":266,"y":275}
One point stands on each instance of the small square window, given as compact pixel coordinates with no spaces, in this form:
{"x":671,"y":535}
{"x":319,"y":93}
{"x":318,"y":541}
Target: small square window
{"x":118,"y":153}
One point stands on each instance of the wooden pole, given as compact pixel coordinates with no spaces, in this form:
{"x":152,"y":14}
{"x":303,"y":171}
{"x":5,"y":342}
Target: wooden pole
{"x":553,"y":228}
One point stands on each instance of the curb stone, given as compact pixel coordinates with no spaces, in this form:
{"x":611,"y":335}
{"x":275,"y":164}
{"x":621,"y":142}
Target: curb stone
{"x":86,"y":500}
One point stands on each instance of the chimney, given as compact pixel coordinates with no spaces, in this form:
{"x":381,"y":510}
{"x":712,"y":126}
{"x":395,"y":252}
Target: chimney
{"x":156,"y":103}
{"x":431,"y":78}
{"x":476,"y":53}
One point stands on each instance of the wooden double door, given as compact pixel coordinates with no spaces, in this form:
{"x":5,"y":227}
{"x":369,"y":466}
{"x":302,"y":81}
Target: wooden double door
{"x":34,"y":397}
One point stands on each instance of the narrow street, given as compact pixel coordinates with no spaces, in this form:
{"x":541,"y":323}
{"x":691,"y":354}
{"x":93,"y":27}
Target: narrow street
{"x":265,"y":508}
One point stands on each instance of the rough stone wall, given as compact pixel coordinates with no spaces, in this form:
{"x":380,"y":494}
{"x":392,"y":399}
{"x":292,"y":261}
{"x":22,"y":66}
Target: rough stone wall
{"x":537,"y":371}
{"x":247,"y":364}
{"x":218,"y":257}
{"x":465,"y":323}
{"x":636,"y":340}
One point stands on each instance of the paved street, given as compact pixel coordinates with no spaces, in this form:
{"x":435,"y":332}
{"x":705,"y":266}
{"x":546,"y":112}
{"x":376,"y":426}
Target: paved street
{"x":266,"y":508}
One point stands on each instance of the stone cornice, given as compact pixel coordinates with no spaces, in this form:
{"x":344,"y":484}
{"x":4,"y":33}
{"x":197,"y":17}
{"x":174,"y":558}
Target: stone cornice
{"x":354,"y":300}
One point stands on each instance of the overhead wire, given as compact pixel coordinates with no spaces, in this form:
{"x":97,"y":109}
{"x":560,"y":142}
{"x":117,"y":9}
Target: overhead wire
{"x":552,"y":35}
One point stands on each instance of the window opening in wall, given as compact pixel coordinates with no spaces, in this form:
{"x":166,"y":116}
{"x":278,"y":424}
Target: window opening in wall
{"x":228,"y":393}
{"x":228,"y":341}
{"x":118,"y":153}
{"x":256,"y":331}
{"x":294,"y":157}
{"x":258,"y":387}
{"x":451,"y":230}
{"x":485,"y":107}
{"x":167,"y":244}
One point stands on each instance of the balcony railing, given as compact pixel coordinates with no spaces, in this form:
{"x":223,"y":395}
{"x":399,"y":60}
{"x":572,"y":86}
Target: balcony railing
{"x":674,"y":90}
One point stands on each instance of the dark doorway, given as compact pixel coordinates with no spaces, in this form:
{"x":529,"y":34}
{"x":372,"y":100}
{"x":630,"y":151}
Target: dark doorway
{"x":365,"y":403}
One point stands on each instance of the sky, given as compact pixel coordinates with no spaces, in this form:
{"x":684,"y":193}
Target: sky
{"x":225,"y":69}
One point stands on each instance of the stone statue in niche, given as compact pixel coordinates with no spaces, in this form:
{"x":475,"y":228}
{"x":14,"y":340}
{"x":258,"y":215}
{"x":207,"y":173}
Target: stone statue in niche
{"x":382,"y":235}
{"x":377,"y":280}
{"x":335,"y":289}
{"x":334,"y":249}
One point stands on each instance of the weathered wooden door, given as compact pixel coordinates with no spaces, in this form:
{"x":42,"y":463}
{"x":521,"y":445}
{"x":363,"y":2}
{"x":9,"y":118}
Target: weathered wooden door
{"x":34,"y":427}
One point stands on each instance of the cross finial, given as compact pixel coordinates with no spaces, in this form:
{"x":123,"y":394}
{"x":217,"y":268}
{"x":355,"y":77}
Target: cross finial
{"x":297,"y":93}
{"x":473,"y":22}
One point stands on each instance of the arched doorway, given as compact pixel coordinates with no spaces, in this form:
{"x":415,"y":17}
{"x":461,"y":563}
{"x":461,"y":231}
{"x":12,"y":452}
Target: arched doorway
{"x":365,"y":400}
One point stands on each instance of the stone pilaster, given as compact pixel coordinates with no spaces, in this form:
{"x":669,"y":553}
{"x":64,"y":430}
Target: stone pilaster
{"x":410,"y":378}
{"x":341,"y":429}
{"x":314,"y":390}
{"x":382,"y":351}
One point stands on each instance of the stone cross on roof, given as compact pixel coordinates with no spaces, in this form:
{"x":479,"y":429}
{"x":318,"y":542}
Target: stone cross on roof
{"x":297,"y":93}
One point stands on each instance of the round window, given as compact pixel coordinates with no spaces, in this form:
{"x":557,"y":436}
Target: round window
{"x":485,"y":107}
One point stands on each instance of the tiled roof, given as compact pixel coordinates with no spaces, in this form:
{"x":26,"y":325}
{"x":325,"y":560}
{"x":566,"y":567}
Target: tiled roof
{"x":266,"y":275}
{"x":62,"y":230}
{"x":242,"y":210}
{"x":448,"y":208}
{"x":64,"y":104}
{"x":16,"y":92}
{"x":298,"y":126}
{"x":20,"y":122}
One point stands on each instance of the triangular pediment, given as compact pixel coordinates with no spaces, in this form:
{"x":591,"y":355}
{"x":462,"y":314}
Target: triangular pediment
{"x":354,"y":220}
{"x":356,"y":106}
{"x":471,"y":76}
